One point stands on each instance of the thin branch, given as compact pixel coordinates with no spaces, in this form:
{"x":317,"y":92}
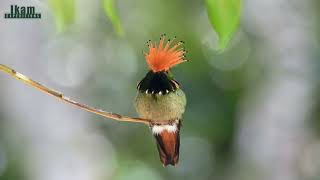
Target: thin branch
{"x":61,"y":97}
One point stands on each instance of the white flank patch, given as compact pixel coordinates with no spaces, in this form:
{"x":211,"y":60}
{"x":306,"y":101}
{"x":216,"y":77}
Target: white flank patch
{"x":157,"y":129}
{"x":170,"y":128}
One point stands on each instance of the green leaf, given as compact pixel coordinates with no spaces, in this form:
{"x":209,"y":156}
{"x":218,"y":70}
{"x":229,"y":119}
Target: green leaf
{"x":224,"y":16}
{"x":64,"y":12}
{"x":112,"y":13}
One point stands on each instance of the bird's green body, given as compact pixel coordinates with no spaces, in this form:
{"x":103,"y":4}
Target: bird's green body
{"x":168,"y":106}
{"x":160,"y":98}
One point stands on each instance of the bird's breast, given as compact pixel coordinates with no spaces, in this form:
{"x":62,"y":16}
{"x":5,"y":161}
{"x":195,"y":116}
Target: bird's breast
{"x":168,"y":106}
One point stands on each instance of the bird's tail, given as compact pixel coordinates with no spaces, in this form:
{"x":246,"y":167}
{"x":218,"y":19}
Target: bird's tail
{"x":168,"y":142}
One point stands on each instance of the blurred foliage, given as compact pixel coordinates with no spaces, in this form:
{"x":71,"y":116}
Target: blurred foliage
{"x":64,"y":12}
{"x":224,"y":16}
{"x":111,"y":12}
{"x":215,"y":84}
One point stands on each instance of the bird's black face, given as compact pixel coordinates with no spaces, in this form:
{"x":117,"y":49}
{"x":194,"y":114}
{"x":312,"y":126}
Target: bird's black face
{"x":157,"y":83}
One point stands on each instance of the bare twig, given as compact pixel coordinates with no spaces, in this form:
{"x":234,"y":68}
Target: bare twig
{"x":61,"y":97}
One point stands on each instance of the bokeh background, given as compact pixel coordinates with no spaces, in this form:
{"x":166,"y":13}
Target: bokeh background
{"x":253,"y":111}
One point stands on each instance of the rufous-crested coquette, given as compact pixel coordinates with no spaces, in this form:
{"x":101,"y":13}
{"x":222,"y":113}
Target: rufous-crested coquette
{"x":160,"y":97}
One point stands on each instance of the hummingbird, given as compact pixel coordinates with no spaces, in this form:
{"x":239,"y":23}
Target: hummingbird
{"x":160,"y":97}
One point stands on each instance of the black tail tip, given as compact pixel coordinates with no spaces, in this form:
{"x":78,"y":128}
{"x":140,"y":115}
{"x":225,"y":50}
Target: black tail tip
{"x":167,"y":162}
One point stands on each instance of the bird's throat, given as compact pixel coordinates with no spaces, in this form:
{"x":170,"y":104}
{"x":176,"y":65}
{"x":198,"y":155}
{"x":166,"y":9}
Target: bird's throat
{"x":157,"y":83}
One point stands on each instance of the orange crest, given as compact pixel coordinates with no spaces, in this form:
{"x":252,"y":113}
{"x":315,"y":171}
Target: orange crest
{"x":163,"y":57}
